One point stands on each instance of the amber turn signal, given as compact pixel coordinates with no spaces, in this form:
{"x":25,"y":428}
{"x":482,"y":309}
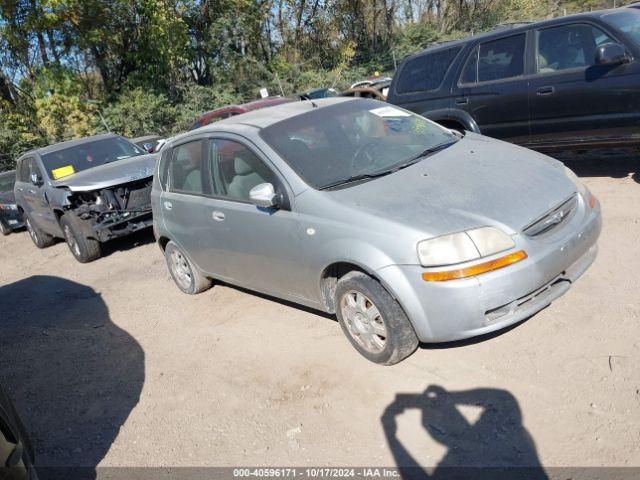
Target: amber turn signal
{"x":592,"y":201}
{"x":474,"y":270}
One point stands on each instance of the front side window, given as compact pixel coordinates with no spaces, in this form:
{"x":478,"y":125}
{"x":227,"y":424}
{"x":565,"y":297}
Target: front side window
{"x":426,"y":72}
{"x":627,"y":21}
{"x":500,"y":59}
{"x":235,"y":170}
{"x":470,"y":71}
{"x":361,"y":137}
{"x":186,"y":168}
{"x":65,"y":162}
{"x":568,"y":47}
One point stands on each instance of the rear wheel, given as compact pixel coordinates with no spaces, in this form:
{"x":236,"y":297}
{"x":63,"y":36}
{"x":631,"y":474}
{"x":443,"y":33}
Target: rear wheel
{"x":84,"y":249}
{"x":187,"y":278}
{"x":40,"y":239}
{"x":373,"y":320}
{"x":4,"y":228}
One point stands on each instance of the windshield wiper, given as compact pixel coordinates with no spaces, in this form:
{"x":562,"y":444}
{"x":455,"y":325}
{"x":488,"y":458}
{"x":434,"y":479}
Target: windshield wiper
{"x":426,"y":153}
{"x":355,"y":178}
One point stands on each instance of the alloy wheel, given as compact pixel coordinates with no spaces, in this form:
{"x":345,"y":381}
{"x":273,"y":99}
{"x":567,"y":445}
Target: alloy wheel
{"x":71,"y":240}
{"x":181,"y":269}
{"x":364,"y":321}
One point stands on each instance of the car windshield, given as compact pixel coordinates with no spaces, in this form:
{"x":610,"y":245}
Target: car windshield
{"x":6,"y":183}
{"x":354,"y":140}
{"x":68,"y":161}
{"x":628,"y":21}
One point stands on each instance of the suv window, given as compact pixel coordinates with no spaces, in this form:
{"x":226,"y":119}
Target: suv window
{"x":568,"y":46}
{"x":500,"y":59}
{"x":24,"y":170}
{"x":185,"y":170}
{"x":470,"y":71}
{"x":235,"y":170}
{"x":426,"y":72}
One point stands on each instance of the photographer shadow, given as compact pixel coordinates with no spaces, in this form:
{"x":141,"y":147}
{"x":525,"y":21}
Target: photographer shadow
{"x":496,"y":446}
{"x":73,"y":374}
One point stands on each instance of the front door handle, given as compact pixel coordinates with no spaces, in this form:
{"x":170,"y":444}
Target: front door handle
{"x":168,"y":205}
{"x":546,"y":91}
{"x":462,"y":101}
{"x":218,"y":216}
{"x":31,"y":191}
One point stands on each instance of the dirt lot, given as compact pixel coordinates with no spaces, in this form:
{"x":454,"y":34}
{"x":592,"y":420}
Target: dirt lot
{"x":111,"y":365}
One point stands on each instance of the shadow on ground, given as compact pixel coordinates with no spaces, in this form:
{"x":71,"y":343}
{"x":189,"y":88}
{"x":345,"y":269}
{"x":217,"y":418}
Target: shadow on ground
{"x":612,"y":162}
{"x":495,"y":446}
{"x":74,"y":375}
{"x":129,"y":242}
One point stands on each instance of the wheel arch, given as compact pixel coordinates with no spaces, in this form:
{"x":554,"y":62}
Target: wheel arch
{"x":451,"y":117}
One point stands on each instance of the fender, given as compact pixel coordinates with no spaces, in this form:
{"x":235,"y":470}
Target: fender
{"x":455,"y":115}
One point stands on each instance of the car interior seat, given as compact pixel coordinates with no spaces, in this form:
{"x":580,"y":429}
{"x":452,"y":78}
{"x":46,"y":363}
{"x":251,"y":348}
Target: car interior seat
{"x":246,"y":176}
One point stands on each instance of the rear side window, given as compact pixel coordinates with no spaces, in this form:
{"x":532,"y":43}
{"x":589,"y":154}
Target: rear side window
{"x":426,"y":72}
{"x":568,"y":46}
{"x":24,"y":170}
{"x":186,"y":168}
{"x":500,"y":59}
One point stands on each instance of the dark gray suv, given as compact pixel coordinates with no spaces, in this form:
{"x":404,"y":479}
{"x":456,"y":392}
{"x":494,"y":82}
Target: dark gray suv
{"x":567,"y":82}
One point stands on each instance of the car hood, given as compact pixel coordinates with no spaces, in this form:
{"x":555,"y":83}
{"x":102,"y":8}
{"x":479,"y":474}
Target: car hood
{"x":110,"y":174}
{"x":476,"y":182}
{"x":7,"y":197}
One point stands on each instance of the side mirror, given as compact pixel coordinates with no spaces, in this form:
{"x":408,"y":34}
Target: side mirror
{"x":264,"y":196}
{"x":36,"y":179}
{"x":611,"y":54}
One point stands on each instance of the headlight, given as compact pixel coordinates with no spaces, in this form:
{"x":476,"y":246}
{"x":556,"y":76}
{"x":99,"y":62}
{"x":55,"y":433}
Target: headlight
{"x":463,"y":247}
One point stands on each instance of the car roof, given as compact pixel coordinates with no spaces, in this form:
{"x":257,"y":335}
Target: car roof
{"x":515,"y":28}
{"x":250,"y":106}
{"x":146,"y":137}
{"x":265,"y":117}
{"x":70,"y":143}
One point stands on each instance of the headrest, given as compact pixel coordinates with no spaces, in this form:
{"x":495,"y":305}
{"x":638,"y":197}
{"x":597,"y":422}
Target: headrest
{"x":241,"y":166}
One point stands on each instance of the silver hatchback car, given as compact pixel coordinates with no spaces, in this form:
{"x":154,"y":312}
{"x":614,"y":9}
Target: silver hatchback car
{"x":409,"y":232}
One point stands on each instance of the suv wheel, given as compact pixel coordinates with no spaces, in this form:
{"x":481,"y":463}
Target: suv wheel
{"x":373,"y":320}
{"x":185,"y":275}
{"x":4,"y":228}
{"x":40,"y":239}
{"x":83,"y":248}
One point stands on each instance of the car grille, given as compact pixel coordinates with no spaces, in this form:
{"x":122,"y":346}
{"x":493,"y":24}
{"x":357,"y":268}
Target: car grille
{"x":553,"y":219}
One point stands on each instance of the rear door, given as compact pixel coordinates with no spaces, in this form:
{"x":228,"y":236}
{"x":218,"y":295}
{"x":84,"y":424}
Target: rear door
{"x":571,"y":99}
{"x":34,"y":197}
{"x":185,"y":205}
{"x":492,"y":88}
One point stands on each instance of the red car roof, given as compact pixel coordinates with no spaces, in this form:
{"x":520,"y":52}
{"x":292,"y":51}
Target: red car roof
{"x":209,"y":117}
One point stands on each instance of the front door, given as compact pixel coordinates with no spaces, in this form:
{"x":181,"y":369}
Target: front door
{"x":572,"y":99}
{"x":260,"y":246}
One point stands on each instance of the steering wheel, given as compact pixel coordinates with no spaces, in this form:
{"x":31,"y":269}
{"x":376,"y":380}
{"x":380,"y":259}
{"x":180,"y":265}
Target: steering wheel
{"x":368,"y":153}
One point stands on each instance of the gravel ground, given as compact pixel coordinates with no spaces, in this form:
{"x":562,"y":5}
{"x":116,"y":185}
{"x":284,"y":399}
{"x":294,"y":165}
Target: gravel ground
{"x":111,"y":365}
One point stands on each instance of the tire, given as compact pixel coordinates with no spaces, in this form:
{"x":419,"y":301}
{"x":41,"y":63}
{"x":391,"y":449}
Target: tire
{"x":373,"y":321}
{"x":185,"y":275}
{"x":84,"y":249}
{"x":40,"y":239}
{"x":4,"y":228}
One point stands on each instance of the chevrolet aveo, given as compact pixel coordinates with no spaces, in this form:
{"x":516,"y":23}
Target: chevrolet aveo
{"x":407,"y":231}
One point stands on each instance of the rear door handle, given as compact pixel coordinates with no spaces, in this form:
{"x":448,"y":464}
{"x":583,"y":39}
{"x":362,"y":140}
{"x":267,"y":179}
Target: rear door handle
{"x":33,"y":192}
{"x":546,"y":91}
{"x":168,"y":205}
{"x":218,"y":216}
{"x":20,"y":189}
{"x":462,"y":101}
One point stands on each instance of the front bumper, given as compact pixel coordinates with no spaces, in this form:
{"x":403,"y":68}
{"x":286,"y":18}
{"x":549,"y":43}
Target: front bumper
{"x":13,"y":218}
{"x":458,"y":309}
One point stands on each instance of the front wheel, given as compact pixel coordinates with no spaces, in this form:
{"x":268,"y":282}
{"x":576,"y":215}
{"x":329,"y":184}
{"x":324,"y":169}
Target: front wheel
{"x":84,"y":249}
{"x":373,"y":320}
{"x":185,"y":275}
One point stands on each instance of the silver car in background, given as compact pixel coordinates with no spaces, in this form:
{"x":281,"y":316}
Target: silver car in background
{"x":407,"y":231}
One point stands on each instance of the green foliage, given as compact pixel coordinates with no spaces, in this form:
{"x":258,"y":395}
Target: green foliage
{"x":139,"y":112}
{"x":152,"y":66}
